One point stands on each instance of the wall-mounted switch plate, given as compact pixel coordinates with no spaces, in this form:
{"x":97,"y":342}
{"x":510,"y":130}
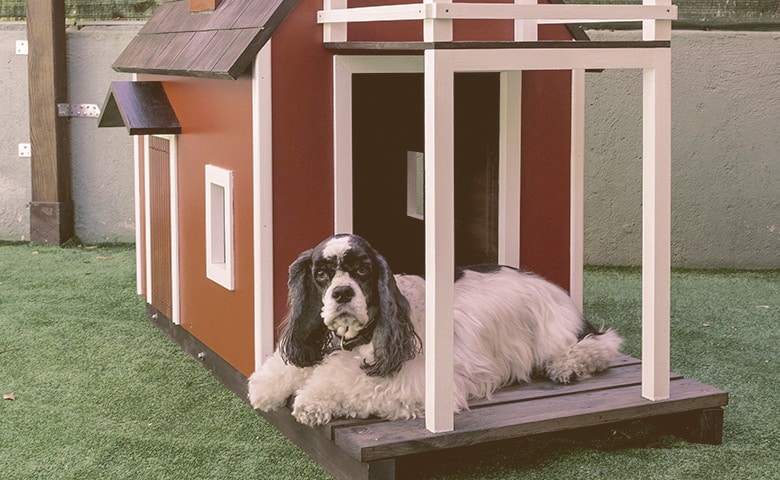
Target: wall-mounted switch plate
{"x":21,"y":47}
{"x":25,"y":150}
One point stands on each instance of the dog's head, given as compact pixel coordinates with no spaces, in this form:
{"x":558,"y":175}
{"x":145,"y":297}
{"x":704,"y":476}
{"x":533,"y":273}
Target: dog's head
{"x":344,"y":286}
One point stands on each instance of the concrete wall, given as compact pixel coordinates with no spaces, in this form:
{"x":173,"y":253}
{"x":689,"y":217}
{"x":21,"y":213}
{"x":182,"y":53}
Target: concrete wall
{"x":102,"y":159}
{"x":726,"y":149}
{"x":14,"y":117}
{"x":725,"y":154}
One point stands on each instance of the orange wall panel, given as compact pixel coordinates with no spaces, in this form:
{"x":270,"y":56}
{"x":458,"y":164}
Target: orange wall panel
{"x":216,"y":119}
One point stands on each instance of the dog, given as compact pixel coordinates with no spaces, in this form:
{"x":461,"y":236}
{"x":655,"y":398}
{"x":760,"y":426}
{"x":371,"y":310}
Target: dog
{"x":352,"y":345}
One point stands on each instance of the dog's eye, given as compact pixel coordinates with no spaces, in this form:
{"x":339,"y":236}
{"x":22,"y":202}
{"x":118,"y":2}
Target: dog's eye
{"x":321,"y":275}
{"x":362,"y":271}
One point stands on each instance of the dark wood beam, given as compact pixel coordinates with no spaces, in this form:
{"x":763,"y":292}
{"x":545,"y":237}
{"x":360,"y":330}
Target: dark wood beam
{"x":51,"y":209}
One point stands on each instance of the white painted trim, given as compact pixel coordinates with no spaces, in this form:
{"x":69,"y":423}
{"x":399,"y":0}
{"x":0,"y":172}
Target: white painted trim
{"x":577,"y":187}
{"x":432,"y":10}
{"x":262,"y":181}
{"x":344,"y":66}
{"x":139,"y":228}
{"x":148,"y":223}
{"x":439,"y":241}
{"x":509,"y":168}
{"x":220,"y":263}
{"x":173,"y":157}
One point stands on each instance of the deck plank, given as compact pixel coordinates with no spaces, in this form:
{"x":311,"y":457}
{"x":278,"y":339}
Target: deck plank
{"x":623,"y":376}
{"x":378,"y":441}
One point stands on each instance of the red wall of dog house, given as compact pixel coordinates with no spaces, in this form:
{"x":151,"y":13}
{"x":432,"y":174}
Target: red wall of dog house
{"x":216,"y":118}
{"x":302,"y":142}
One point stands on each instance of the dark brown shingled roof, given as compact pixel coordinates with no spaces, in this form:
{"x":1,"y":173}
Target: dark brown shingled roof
{"x":218,"y":44}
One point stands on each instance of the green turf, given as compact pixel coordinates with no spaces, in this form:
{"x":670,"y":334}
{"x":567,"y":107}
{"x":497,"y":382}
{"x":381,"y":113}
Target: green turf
{"x":100,"y":393}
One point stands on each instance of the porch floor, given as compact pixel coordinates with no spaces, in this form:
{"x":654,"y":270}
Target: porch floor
{"x":369,"y":449}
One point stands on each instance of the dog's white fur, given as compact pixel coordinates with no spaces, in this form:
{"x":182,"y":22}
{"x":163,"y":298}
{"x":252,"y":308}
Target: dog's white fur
{"x":507,"y":326}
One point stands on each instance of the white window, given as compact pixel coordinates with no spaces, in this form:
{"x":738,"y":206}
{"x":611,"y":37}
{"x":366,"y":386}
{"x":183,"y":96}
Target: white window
{"x":415,"y":185}
{"x":219,"y":226}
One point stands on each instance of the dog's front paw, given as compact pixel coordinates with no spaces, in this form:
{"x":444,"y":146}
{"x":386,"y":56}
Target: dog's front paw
{"x":311,"y":413}
{"x":264,"y":396}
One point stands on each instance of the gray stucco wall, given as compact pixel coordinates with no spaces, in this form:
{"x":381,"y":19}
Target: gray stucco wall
{"x":14,"y":117}
{"x":102,"y":159}
{"x":725,"y":154}
{"x":726,"y":149}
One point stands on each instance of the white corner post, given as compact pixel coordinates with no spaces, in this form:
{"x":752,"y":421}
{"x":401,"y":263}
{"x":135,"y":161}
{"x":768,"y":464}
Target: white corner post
{"x":577,"y":187}
{"x":656,"y":213}
{"x":262,"y":181}
{"x":439,"y":241}
{"x":439,"y":227}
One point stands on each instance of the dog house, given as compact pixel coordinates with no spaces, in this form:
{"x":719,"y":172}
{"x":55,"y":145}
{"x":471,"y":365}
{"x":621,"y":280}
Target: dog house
{"x":443,"y":132}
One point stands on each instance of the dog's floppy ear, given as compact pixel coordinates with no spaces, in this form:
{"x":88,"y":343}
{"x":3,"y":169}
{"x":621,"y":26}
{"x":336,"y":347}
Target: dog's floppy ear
{"x":394,"y":338}
{"x":304,"y":337}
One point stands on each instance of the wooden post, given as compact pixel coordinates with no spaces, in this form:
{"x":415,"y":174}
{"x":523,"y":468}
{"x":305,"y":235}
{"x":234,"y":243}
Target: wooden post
{"x":51,"y":209}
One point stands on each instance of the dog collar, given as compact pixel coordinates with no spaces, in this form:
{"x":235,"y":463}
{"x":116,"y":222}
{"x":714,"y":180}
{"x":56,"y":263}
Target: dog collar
{"x":363,"y":337}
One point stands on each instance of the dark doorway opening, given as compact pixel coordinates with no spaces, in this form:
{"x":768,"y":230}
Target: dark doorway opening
{"x":388,"y":131}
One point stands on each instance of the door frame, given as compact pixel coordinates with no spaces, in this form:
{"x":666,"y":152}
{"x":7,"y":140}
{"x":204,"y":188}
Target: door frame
{"x":344,"y":66}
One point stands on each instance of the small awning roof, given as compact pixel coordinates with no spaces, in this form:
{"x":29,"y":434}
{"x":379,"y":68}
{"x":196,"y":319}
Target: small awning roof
{"x":142,"y":107}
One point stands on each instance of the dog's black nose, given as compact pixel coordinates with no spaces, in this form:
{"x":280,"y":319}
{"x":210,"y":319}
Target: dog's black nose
{"x":343,"y":294}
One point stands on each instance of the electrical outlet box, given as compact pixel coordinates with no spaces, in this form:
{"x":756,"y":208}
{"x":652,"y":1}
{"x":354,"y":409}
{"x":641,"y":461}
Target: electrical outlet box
{"x":25,"y":150}
{"x":21,"y":47}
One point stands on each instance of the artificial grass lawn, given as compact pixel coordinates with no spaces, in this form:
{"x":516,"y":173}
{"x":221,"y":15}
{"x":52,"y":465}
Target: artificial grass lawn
{"x":101,"y":393}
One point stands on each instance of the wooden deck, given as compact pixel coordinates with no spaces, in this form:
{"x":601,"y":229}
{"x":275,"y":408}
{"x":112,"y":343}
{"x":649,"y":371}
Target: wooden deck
{"x":370,"y":449}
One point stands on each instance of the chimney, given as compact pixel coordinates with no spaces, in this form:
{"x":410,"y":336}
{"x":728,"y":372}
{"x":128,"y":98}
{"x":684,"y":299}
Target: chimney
{"x":204,"y":5}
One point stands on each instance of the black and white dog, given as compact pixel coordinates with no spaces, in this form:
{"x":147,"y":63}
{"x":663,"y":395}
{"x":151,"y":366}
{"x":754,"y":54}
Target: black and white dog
{"x":352,"y":345}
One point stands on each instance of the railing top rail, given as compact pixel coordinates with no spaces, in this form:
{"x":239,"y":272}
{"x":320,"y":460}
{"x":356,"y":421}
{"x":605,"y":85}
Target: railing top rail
{"x":542,"y":14}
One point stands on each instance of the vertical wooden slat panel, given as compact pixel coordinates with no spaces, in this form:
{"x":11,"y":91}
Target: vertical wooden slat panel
{"x":160,"y":223}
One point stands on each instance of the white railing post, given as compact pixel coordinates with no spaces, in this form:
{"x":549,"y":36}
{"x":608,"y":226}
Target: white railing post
{"x":577,"y":187}
{"x":526,"y":30}
{"x":334,"y":32}
{"x":437,"y":30}
{"x":439,"y":241}
{"x":656,"y":214}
